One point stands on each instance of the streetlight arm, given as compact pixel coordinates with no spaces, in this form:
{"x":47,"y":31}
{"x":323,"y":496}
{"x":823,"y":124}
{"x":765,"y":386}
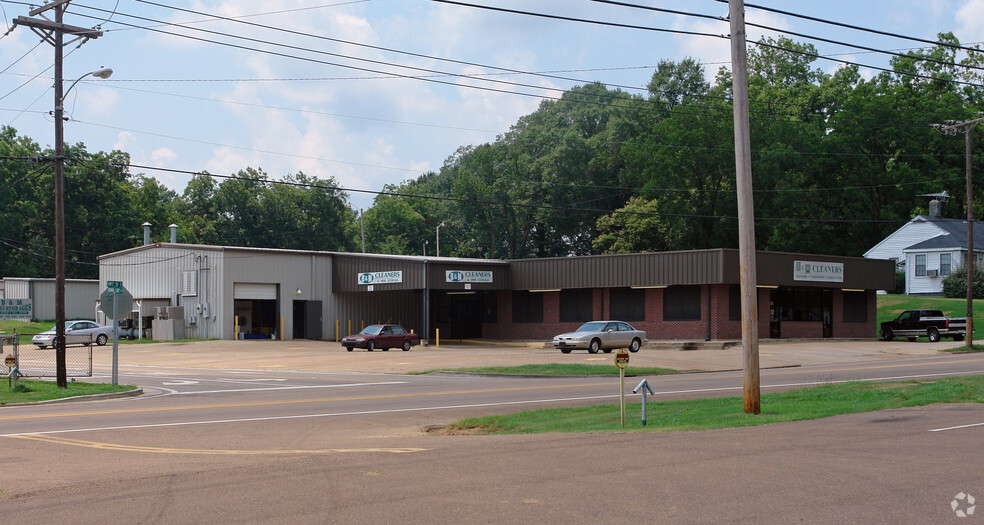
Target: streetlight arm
{"x":103,"y":72}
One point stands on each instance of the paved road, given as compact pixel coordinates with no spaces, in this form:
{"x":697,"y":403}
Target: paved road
{"x":311,"y":445}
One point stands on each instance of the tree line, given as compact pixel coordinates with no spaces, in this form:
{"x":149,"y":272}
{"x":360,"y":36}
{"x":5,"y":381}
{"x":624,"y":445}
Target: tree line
{"x":839,"y":161}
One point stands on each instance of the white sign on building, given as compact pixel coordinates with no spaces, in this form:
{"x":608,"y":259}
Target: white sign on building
{"x":16,"y":308}
{"x":827,"y":272}
{"x":459,"y":276}
{"x":381,"y":277}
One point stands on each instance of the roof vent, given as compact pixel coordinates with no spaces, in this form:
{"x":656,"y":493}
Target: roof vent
{"x":146,"y":227}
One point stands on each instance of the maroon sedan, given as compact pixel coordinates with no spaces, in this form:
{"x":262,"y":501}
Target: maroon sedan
{"x":382,"y":336}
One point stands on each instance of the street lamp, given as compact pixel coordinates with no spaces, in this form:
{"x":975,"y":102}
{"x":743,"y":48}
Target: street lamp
{"x":439,"y":238}
{"x":425,"y":248}
{"x":60,"y":94}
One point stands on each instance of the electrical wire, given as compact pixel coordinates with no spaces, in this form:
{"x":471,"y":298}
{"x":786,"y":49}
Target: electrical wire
{"x":794,"y":33}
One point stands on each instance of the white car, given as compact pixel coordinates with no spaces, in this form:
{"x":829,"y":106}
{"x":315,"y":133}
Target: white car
{"x":601,"y":335}
{"x":76,"y":332}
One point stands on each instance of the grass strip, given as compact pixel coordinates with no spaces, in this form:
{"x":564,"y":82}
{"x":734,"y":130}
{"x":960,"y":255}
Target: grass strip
{"x":32,"y":391}
{"x":727,"y":412}
{"x":562,"y":369}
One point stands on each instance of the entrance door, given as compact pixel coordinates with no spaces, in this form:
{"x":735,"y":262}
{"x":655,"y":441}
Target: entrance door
{"x":312,"y":320}
{"x":775,"y":316}
{"x":827,"y":313}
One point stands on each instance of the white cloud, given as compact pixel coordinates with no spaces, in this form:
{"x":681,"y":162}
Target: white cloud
{"x":969,"y":17}
{"x":162,"y":156}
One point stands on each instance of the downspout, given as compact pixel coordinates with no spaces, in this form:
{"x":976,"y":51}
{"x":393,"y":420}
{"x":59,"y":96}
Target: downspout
{"x":708,"y":312}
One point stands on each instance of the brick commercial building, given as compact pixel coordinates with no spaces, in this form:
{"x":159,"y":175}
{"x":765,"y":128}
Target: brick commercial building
{"x":234,"y":292}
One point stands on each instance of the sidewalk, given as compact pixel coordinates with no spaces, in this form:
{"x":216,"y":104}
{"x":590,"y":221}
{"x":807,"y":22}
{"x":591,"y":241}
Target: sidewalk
{"x":329,"y":356}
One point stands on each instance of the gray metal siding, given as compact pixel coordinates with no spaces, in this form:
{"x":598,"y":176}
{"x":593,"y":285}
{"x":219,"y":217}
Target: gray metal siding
{"x":400,"y":306}
{"x":603,"y":271}
{"x":80,"y":296}
{"x":346,"y":270}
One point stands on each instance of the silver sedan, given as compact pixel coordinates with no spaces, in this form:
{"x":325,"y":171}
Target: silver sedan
{"x":76,"y":332}
{"x":601,"y":335}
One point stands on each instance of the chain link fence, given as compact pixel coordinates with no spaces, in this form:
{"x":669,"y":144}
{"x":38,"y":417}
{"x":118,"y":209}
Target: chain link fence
{"x":32,"y":361}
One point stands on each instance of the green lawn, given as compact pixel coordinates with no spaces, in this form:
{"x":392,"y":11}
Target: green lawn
{"x":29,"y":390}
{"x":712,"y":413}
{"x":891,"y":305}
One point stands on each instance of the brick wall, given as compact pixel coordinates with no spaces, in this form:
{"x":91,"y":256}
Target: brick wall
{"x":714,"y":306}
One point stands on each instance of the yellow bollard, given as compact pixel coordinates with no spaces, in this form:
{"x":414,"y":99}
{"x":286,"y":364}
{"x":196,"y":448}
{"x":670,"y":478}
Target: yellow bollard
{"x":437,"y":337}
{"x":336,"y":330}
{"x":236,"y":328}
{"x":350,"y":327}
{"x":281,"y":328}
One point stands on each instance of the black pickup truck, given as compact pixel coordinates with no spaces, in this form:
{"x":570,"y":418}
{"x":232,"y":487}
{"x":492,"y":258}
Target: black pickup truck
{"x":925,"y":323}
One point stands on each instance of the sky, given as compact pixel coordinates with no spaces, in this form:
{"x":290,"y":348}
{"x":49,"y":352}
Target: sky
{"x":377,"y":92}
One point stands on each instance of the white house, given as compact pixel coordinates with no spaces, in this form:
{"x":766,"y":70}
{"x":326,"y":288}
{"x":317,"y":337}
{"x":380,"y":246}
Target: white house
{"x":928,"y":248}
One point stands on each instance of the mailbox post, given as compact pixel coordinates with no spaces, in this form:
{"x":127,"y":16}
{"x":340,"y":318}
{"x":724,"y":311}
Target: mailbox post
{"x":622,"y":361}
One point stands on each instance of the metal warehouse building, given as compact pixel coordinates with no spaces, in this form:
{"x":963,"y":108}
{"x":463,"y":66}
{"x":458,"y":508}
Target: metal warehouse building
{"x":233,"y":292}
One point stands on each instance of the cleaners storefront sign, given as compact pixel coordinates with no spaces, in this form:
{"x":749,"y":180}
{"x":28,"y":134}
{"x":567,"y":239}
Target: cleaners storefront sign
{"x":381,"y":277}
{"x":459,"y":276}
{"x":826,"y":272}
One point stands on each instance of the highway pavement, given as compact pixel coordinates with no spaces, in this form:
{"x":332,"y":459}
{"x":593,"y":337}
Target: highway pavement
{"x":305,"y":432}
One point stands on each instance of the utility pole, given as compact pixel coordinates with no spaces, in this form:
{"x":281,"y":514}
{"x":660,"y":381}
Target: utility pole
{"x":54,"y":33}
{"x":969,"y":264}
{"x":362,"y":226}
{"x":746,"y":213}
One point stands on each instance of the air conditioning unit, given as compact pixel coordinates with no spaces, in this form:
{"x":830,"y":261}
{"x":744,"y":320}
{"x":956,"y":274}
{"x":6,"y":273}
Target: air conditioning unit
{"x":932,"y":273}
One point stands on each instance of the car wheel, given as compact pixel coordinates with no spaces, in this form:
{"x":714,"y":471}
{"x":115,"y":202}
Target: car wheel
{"x":911,"y":339}
{"x":594,"y":346}
{"x":934,"y":335}
{"x":370,"y":345}
{"x":565,"y":350}
{"x":958,"y":338}
{"x":42,"y":347}
{"x":887,"y":334}
{"x":634,"y":346}
{"x":101,"y":340}
{"x":349,"y":348}
{"x":406,"y":345}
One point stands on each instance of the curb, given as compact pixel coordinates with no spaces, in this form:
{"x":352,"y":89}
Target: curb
{"x":92,"y":397}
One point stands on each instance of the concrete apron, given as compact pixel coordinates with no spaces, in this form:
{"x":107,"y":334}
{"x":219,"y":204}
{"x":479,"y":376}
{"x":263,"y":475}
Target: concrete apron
{"x":329,"y":356}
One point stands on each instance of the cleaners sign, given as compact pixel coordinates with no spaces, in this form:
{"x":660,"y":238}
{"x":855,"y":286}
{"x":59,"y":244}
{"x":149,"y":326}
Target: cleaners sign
{"x":818,"y":271}
{"x":459,"y":276}
{"x":381,"y":277}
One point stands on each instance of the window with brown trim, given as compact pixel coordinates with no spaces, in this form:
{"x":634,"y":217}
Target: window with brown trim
{"x":527,"y":307}
{"x":681,"y":303}
{"x":628,"y":304}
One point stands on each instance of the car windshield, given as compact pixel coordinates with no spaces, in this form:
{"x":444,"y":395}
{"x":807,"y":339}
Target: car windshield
{"x":372,"y":329}
{"x":593,"y":326}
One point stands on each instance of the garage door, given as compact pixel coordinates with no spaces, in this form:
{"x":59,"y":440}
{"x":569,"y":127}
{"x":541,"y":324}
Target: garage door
{"x":255,"y":291}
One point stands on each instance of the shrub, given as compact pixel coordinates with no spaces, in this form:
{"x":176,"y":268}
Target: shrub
{"x":955,"y":284}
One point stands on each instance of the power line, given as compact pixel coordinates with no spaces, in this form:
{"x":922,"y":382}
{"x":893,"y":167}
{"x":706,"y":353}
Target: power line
{"x":859,"y":28}
{"x":794,"y":33}
{"x":814,"y":55}
{"x":495,"y":203}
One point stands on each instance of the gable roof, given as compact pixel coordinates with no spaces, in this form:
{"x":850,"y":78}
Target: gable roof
{"x":956,"y":240}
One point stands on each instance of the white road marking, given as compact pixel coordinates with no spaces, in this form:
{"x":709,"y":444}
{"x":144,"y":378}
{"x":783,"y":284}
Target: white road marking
{"x":957,"y":427}
{"x":274,"y":388}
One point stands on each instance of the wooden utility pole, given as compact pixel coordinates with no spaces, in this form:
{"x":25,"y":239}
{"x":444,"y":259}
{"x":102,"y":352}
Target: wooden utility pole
{"x":746,"y":212}
{"x":970,"y":262}
{"x":54,"y":33}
